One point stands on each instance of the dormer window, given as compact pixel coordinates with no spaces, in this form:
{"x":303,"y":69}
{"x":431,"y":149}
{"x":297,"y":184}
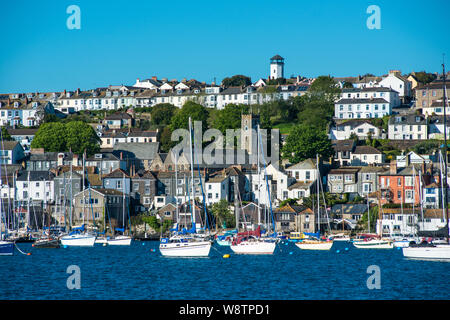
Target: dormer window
{"x":41,"y":96}
{"x":108,"y":93}
{"x":35,"y":104}
{"x":196,"y":91}
{"x":418,"y":119}
{"x":116,"y":93}
{"x":179,"y":91}
{"x":16,"y":104}
{"x":94,"y":94}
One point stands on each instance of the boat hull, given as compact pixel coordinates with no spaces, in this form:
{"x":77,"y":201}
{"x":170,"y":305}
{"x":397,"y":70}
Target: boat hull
{"x":101,"y":241}
{"x":185,"y":249}
{"x":374,"y":244}
{"x":250,"y":247}
{"x":224,"y":243}
{"x":119,"y":241}
{"x":78,"y":240}
{"x":6,"y":248}
{"x":46,"y":243}
{"x":319,"y":245}
{"x":439,"y":252}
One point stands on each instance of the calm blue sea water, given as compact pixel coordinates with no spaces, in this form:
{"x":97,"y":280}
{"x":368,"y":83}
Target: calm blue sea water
{"x":138,"y":273}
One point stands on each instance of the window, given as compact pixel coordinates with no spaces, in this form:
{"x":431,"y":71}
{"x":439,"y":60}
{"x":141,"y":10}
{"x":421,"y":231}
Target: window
{"x":307,"y":175}
{"x":399,"y":181}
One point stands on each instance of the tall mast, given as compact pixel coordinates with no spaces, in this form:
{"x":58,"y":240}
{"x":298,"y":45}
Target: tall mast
{"x":176,"y":187}
{"x":71,"y":196}
{"x":192,"y":171}
{"x":444,"y":99}
{"x":318,"y":199}
{"x":259,"y":178}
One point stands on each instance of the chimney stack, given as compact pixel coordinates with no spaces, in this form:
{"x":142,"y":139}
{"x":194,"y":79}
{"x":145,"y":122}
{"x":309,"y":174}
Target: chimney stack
{"x":393,"y":167}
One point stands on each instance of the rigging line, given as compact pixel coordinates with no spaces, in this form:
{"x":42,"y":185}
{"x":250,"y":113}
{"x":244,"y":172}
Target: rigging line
{"x":265,"y":176}
{"x":18,"y":249}
{"x":7,"y":183}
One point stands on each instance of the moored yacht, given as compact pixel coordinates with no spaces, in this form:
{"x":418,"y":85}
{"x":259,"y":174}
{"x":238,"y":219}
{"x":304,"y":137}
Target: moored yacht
{"x":184,"y":246}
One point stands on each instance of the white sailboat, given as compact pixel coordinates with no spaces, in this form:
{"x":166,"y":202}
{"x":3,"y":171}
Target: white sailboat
{"x":373,"y":241}
{"x":315,"y":243}
{"x":79,"y":236}
{"x":251,"y":242}
{"x":427,"y":251}
{"x":186,"y":245}
{"x":121,"y":240}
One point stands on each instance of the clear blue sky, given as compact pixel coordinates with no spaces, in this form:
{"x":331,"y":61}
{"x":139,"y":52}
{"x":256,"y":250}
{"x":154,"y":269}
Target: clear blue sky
{"x":120,"y":41}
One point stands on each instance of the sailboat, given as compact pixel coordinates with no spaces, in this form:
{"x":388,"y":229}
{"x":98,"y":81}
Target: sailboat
{"x":371,"y":240}
{"x":122,"y":239}
{"x":186,"y":245}
{"x":46,"y":240}
{"x":6,"y":247}
{"x":79,"y":236}
{"x":430,"y":251}
{"x":251,"y":242}
{"x":315,"y":243}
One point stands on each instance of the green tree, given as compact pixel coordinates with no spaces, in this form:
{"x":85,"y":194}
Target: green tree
{"x":5,"y":135}
{"x":305,"y":141}
{"x":79,"y":136}
{"x":223,"y":214}
{"x":426,"y":147}
{"x":348,"y":85}
{"x":229,"y":117}
{"x":166,"y":139}
{"x":162,"y":113}
{"x":236,"y":81}
{"x":325,"y":86}
{"x":424,"y":77}
{"x":51,"y":137}
{"x":196,"y":111}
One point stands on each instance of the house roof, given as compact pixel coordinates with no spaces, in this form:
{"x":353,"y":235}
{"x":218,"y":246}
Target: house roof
{"x":348,"y":208}
{"x":366,"y":150}
{"x":361,"y":101}
{"x":119,"y":116}
{"x":35,"y":175}
{"x":288,"y":208}
{"x":135,"y":150}
{"x":300,"y":185}
{"x":409,"y":119}
{"x":8,"y":145}
{"x":343,"y":145}
{"x":22,"y":132}
{"x":118,"y":173}
{"x":305,"y":164}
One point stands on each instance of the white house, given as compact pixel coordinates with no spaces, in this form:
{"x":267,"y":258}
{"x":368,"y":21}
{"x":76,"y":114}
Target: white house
{"x":217,"y":188}
{"x":35,"y":185}
{"x":397,"y":82}
{"x":408,"y":127}
{"x":304,"y":171}
{"x":366,"y":155}
{"x":361,"y":128}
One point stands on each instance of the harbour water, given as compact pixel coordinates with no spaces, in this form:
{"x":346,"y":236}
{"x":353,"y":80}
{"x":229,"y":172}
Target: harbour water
{"x":140,"y":272}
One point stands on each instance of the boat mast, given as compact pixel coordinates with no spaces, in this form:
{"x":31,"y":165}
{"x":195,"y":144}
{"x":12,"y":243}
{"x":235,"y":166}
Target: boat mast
{"x":368,"y":213}
{"x":71,"y":196}
{"x":192,"y":171}
{"x":259,"y":177}
{"x":444,"y":99}
{"x":176,"y":188}
{"x":318,"y":198}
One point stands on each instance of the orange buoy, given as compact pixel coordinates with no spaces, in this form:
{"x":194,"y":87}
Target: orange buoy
{"x":29,"y":254}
